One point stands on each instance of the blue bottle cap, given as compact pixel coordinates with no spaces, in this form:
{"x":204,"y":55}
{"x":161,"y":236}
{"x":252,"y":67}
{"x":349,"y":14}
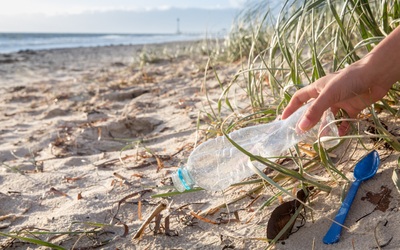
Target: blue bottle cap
{"x":182,"y":179}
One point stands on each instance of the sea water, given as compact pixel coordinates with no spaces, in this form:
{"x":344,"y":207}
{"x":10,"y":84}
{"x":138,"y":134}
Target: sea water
{"x":14,"y":42}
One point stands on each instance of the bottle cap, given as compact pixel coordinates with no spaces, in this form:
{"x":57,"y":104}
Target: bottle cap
{"x":181,"y":180}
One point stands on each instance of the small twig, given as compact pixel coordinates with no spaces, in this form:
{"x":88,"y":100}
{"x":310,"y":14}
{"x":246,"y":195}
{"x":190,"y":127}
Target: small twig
{"x":70,"y":180}
{"x":387,"y":243}
{"x":125,"y":198}
{"x":158,"y":223}
{"x":140,"y":210}
{"x":124,"y":180}
{"x":53,"y":190}
{"x":344,"y":153}
{"x":376,"y":238}
{"x":155,"y":212}
{"x":77,"y":241}
{"x":202,"y":218}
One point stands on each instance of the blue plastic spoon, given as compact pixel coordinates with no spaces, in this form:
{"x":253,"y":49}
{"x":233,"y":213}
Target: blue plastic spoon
{"x":364,"y":170}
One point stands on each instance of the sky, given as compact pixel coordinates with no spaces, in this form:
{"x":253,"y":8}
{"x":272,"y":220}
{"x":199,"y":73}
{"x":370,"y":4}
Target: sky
{"x":117,"y":16}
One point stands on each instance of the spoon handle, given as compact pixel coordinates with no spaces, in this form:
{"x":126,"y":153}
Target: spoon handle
{"x":332,"y":236}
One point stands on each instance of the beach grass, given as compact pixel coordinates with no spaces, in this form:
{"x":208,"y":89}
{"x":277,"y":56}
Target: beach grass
{"x":306,"y":41}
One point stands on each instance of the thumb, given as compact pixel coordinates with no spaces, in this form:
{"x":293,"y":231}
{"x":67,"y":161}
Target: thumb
{"x":315,"y":112}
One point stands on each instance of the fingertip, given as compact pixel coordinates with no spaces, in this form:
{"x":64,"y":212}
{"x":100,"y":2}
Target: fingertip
{"x":291,"y":108}
{"x":286,"y":113}
{"x":304,"y":124}
{"x":298,"y":99}
{"x":312,"y":116}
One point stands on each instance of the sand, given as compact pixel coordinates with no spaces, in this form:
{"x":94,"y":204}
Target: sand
{"x":73,"y":108}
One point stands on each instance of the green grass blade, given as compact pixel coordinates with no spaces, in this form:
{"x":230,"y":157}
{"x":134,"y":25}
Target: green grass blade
{"x":385,"y":17}
{"x":12,"y":168}
{"x":388,"y":108}
{"x":39,"y":242}
{"x":392,"y":141}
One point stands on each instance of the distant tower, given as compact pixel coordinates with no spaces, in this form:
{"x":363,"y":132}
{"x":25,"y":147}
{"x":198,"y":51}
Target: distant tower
{"x":178,"y":31}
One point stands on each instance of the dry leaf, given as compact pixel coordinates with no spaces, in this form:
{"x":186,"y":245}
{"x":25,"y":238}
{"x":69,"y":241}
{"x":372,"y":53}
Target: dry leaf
{"x":126,"y":229}
{"x":282,"y":215}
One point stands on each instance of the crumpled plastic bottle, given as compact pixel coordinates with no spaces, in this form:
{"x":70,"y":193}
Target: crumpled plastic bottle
{"x":216,"y":164}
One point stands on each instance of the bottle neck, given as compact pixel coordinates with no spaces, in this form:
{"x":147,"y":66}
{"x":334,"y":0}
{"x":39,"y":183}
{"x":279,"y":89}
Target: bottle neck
{"x":182,"y":180}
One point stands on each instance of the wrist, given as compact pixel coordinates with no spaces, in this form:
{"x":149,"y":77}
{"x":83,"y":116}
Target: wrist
{"x":369,"y":71}
{"x":382,"y":63}
{"x":374,"y":71}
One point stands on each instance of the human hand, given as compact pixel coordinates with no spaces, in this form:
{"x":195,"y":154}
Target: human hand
{"x":348,"y":89}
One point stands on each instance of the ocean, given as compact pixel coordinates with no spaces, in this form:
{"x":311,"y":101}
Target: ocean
{"x":14,"y":42}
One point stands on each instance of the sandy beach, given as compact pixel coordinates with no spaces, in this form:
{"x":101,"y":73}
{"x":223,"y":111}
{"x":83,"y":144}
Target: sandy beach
{"x":65,"y":116}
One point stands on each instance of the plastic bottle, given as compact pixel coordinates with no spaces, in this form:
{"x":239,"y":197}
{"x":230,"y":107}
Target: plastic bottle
{"x":216,"y":164}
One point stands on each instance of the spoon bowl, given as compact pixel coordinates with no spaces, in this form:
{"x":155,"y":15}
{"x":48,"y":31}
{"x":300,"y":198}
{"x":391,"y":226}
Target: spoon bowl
{"x":367,"y":167}
{"x":364,"y":170}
